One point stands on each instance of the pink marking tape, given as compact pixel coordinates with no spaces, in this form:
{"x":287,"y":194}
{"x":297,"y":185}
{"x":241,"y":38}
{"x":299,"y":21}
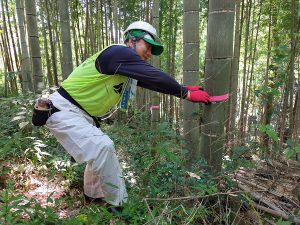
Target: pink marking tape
{"x":153,"y":107}
{"x":219,"y":98}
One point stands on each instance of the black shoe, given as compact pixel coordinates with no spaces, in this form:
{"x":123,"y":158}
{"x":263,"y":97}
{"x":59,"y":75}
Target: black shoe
{"x":115,"y":209}
{"x":93,"y":200}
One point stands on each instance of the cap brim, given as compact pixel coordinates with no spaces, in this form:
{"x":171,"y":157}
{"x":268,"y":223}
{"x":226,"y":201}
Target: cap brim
{"x":157,"y":48}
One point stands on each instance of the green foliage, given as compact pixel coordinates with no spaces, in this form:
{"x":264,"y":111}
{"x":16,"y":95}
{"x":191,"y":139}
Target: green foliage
{"x":155,"y":169}
{"x":282,"y":222}
{"x":291,"y":149}
{"x":270,"y":131}
{"x":238,"y":158}
{"x":10,"y":209}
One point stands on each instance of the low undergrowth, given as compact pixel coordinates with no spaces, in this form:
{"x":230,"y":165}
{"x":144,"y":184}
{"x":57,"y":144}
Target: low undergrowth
{"x":161,"y":190}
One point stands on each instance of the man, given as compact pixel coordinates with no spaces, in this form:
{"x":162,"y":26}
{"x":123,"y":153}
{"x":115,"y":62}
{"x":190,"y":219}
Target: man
{"x":94,"y":89}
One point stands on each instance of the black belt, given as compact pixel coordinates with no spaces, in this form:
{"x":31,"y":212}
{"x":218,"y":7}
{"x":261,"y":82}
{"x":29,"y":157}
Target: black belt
{"x":67,"y":96}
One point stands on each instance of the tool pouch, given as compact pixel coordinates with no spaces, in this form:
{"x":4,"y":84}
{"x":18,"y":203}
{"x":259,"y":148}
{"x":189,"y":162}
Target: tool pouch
{"x":42,"y":110}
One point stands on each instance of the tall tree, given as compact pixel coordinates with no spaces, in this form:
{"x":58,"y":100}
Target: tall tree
{"x":295,"y":26}
{"x":52,"y":44}
{"x":267,"y":108}
{"x":191,"y":75}
{"x":155,"y":99}
{"x":34,"y":45}
{"x":245,"y":87}
{"x":234,"y":74}
{"x":25,"y":60}
{"x":66,"y":62}
{"x":218,"y":60}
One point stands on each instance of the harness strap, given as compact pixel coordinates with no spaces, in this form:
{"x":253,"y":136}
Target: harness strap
{"x":67,"y":96}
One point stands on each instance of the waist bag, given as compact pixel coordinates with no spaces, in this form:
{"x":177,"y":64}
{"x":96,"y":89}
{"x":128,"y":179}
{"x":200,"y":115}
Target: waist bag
{"x":42,"y":110}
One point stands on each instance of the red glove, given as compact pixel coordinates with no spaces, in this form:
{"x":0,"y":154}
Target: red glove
{"x":198,"y":96}
{"x":194,"y":88}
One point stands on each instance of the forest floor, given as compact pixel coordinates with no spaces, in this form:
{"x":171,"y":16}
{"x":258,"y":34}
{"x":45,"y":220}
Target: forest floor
{"x":273,"y":186}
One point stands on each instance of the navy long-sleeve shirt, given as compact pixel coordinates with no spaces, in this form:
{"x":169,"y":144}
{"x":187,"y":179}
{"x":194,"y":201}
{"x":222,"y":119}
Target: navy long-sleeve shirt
{"x":122,"y":60}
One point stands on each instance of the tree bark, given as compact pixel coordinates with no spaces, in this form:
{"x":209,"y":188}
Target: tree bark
{"x":52,"y":47}
{"x":233,"y":89}
{"x":25,"y":60}
{"x":219,"y":54}
{"x":66,"y":62}
{"x":191,"y":76}
{"x":34,"y":45}
{"x":155,"y":98}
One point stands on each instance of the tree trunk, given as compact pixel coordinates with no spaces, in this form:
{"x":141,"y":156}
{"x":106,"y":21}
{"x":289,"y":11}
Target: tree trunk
{"x":52,"y":47}
{"x":66,"y":62}
{"x":191,"y":76}
{"x":219,"y":54}
{"x":46,"y":49}
{"x":267,"y":105}
{"x":115,"y":19}
{"x":25,"y":60}
{"x":286,"y":114}
{"x":295,"y":26}
{"x":34,"y":45}
{"x":155,"y":99}
{"x":243,"y":113}
{"x":75,"y":39}
{"x":233,"y":89}
{"x":12,"y":38}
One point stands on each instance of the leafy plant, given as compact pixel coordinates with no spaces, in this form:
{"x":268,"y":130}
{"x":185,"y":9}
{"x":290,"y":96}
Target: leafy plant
{"x":292,"y":150}
{"x":270,"y":131}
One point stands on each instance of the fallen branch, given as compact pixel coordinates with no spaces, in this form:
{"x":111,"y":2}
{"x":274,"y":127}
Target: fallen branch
{"x":279,"y":195}
{"x":275,"y":213}
{"x":204,"y":196}
{"x":259,"y":198}
{"x":153,"y":219}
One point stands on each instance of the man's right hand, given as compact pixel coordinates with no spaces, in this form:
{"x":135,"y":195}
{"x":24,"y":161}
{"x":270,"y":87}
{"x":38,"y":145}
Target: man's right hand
{"x":198,"y":96}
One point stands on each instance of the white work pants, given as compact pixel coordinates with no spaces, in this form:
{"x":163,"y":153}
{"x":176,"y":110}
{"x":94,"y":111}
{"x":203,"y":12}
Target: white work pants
{"x":75,"y":131}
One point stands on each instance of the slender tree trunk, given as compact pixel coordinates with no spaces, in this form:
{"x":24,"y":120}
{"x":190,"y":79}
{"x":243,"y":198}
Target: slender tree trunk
{"x":52,"y":45}
{"x":17,"y":34}
{"x":6,"y":46}
{"x":219,"y":54}
{"x":102,"y":25}
{"x":75,"y":38}
{"x":296,"y":116}
{"x":106,"y":27}
{"x":172,"y":69}
{"x":115,"y":19}
{"x":295,"y":123}
{"x":25,"y":60}
{"x":34,"y":45}
{"x":234,"y":76}
{"x":191,"y":76}
{"x":5,"y":65}
{"x":79,"y":34}
{"x":99,"y":19}
{"x":86,"y":44}
{"x":112,"y":38}
{"x":12,"y":37}
{"x":94,"y":49}
{"x":266,"y":111}
{"x":48,"y":64}
{"x":243,"y":113}
{"x":287,"y":114}
{"x":252,"y":61}
{"x":66,"y":62}
{"x":155,"y":98}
